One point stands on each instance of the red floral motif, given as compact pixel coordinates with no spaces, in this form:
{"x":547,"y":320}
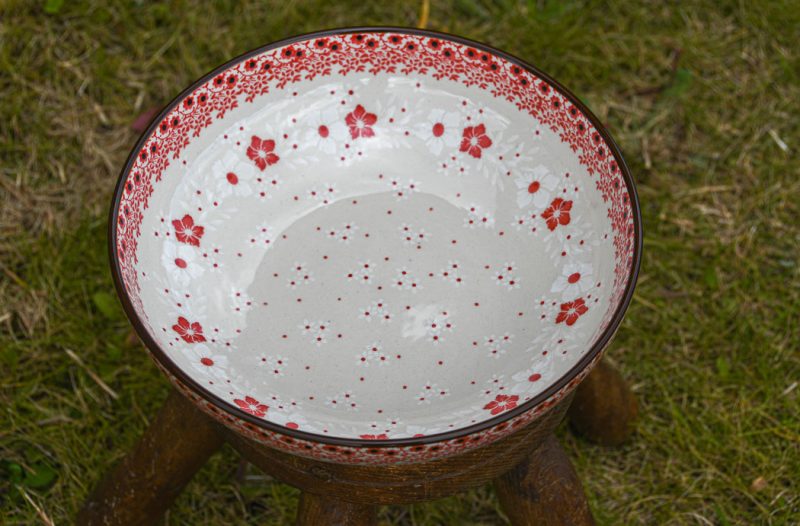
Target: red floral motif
{"x":475,"y":140}
{"x":187,"y":232}
{"x":382,"y":436}
{"x":571,"y":311}
{"x":251,"y":65}
{"x":261,"y":152}
{"x":191,"y":332}
{"x":252,"y":406}
{"x":557,"y":213}
{"x":360,"y":122}
{"x":227,"y":80}
{"x":502,"y":403}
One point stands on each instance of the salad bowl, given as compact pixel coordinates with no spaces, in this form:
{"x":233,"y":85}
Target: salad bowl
{"x":375,"y":245}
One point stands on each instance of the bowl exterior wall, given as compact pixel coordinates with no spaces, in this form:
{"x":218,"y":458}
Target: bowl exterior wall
{"x":383,"y":455}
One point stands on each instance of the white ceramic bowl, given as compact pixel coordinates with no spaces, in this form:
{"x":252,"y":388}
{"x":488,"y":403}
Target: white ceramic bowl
{"x":375,"y":245}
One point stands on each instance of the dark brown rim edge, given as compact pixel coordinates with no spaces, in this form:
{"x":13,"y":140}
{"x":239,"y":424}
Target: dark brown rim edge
{"x":597,"y":348}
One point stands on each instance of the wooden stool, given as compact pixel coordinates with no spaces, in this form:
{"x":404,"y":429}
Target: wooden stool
{"x":535,"y":481}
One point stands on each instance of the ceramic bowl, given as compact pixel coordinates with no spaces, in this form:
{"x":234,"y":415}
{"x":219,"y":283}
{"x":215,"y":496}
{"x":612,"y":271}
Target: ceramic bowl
{"x":375,"y":245}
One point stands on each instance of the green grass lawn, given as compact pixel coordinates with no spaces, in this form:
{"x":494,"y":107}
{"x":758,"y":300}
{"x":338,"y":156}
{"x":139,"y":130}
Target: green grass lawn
{"x":703,"y":98}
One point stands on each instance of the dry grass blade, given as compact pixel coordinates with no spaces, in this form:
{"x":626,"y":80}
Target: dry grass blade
{"x":99,"y":381}
{"x":39,"y":511}
{"x":424,"y":13}
{"x":775,"y":137}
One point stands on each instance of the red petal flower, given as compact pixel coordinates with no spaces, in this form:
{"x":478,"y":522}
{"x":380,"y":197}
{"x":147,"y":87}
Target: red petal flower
{"x":557,"y":213}
{"x":187,"y":232}
{"x":252,"y":406}
{"x":474,"y":140}
{"x":261,"y":152}
{"x":571,"y":311}
{"x":501,"y":403}
{"x":360,"y":122}
{"x":191,"y":332}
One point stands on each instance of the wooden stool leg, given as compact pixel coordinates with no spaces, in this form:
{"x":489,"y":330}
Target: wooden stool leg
{"x":544,"y":490}
{"x":316,"y":509}
{"x":604,"y":408}
{"x":138,"y":491}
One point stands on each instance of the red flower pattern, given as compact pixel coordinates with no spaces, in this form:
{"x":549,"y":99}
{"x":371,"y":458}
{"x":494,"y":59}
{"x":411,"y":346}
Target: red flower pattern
{"x":252,"y":406}
{"x":187,"y":232}
{"x":501,"y":403}
{"x":557,"y":213}
{"x":261,"y":152}
{"x":360,"y":122}
{"x":475,"y":140}
{"x":571,"y":311}
{"x":382,"y":436}
{"x":191,"y":332}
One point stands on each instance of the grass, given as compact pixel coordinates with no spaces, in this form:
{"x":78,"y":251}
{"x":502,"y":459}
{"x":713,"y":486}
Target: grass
{"x":700,"y":95}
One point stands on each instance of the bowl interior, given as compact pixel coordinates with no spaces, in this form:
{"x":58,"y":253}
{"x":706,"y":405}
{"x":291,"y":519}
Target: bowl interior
{"x":375,"y":235}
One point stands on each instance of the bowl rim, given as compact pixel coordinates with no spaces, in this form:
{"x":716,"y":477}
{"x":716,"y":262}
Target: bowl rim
{"x":163,"y":359}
